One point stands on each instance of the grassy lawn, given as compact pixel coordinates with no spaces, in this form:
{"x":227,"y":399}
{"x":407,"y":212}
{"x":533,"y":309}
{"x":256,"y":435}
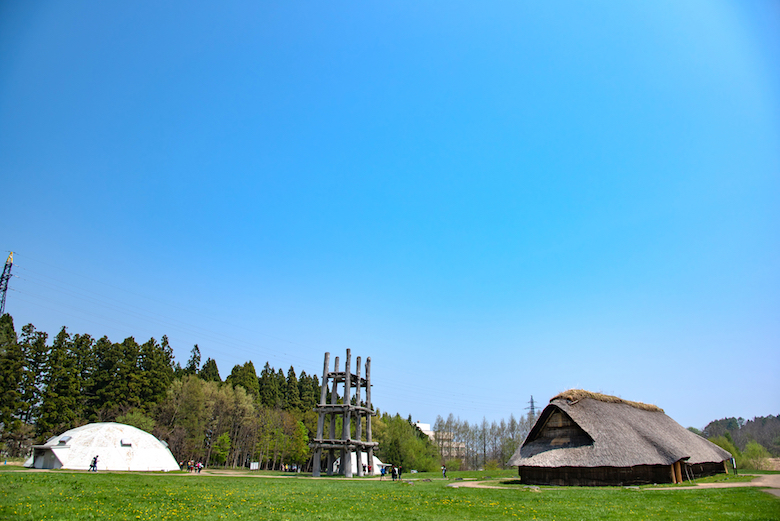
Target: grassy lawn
{"x":68,"y":495}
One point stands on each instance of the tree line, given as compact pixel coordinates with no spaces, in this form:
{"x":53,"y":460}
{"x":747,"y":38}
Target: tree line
{"x":48,"y":388}
{"x":764,"y":430}
{"x":490,"y":445}
{"x":483,"y":445}
{"x":751,"y":442}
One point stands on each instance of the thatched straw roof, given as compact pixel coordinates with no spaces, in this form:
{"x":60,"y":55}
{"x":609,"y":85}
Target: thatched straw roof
{"x":605,"y":431}
{"x":575,"y":395}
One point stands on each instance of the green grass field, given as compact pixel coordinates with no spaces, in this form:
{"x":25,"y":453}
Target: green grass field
{"x":80,"y":495}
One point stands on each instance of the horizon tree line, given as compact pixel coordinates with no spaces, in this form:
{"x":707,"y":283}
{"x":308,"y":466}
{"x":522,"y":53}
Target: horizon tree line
{"x":50,"y":388}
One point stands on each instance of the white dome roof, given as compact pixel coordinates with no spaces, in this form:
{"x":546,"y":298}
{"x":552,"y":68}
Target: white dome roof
{"x":118,"y":447}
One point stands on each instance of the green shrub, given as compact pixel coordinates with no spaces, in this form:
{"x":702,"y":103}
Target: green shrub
{"x":492,"y":465}
{"x":755,"y":456}
{"x":138,"y":420}
{"x":724,"y":443}
{"x":454,"y":464}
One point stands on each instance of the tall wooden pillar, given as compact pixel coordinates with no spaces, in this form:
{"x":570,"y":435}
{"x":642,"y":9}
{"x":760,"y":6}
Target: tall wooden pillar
{"x":369,"y":441}
{"x":358,"y":422}
{"x":317,"y":463}
{"x":333,"y":399}
{"x":346,"y":453}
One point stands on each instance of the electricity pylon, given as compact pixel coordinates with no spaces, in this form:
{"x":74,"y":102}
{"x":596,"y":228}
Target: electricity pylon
{"x":4,"y":282}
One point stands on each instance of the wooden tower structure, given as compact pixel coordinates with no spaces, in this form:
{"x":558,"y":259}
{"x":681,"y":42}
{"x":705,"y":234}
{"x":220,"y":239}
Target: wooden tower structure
{"x":349,"y":412}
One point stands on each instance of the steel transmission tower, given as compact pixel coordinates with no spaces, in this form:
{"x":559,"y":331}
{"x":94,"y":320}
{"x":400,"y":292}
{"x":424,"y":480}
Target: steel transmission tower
{"x":4,"y":282}
{"x":532,"y":409}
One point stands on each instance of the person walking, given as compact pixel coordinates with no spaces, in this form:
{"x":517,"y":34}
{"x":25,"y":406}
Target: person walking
{"x":444,"y":471}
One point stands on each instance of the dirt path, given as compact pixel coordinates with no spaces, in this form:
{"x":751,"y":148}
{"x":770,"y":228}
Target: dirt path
{"x":769,"y":482}
{"x":478,"y":484}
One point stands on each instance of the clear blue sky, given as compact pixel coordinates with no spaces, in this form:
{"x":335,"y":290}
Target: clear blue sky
{"x":492,"y":200}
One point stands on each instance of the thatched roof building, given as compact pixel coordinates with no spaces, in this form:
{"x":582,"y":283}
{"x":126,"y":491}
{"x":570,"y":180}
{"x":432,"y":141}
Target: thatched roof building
{"x":584,"y":438}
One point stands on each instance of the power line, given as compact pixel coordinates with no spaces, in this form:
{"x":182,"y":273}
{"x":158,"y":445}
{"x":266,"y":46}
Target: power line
{"x":226,"y":345}
{"x":130,"y":311}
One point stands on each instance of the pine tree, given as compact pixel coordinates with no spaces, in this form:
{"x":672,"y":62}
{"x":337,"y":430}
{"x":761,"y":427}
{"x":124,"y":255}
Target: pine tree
{"x":281,"y":384}
{"x":209,"y":372}
{"x":130,"y":381}
{"x":101,"y":391}
{"x":292,"y":396}
{"x":270,"y":390}
{"x":314,"y":391}
{"x":310,"y":395}
{"x":83,"y":350}
{"x":246,"y":377}
{"x":156,"y":364}
{"x":35,"y":351}
{"x":61,"y":389}
{"x":193,"y":364}
{"x":119,"y":380}
{"x":11,"y":364}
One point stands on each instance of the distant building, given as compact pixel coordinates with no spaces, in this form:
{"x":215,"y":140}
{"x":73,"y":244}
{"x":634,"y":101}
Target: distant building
{"x":117,"y":446}
{"x":425,"y":428}
{"x":583,"y":438}
{"x":445,"y":442}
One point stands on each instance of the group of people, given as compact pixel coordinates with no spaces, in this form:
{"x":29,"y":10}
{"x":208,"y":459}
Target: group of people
{"x":395,"y":472}
{"x":93,"y":465}
{"x":192,"y":466}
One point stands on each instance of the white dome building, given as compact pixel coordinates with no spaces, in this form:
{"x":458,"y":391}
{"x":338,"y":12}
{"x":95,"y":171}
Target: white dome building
{"x":118,"y":447}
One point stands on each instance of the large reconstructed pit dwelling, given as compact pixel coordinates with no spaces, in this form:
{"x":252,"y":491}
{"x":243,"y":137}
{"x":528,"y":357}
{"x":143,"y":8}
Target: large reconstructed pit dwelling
{"x":591,"y":439}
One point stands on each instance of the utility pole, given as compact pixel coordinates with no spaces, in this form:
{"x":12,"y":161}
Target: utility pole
{"x":4,"y":282}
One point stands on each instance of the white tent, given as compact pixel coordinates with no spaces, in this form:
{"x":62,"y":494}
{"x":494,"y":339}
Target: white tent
{"x":118,"y":447}
{"x":375,"y":466}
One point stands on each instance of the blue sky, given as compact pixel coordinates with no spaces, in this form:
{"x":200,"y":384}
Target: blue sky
{"x":491,"y":201}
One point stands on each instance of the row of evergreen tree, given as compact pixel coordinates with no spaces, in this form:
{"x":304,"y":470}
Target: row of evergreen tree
{"x":50,"y":388}
{"x":74,"y":380}
{"x":271,"y":389}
